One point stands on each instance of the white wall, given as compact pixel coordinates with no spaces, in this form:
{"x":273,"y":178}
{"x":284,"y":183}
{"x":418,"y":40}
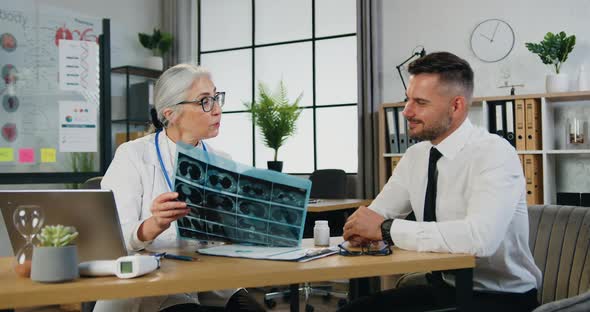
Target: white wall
{"x":447,"y":26}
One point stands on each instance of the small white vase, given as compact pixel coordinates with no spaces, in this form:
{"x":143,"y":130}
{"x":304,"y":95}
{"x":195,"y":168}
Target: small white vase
{"x":154,"y":62}
{"x":557,"y":83}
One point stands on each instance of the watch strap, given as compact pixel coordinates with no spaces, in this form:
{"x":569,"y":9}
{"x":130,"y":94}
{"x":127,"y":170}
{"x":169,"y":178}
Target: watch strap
{"x":386,"y":231}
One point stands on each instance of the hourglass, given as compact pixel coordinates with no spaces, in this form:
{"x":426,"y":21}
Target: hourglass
{"x":28,"y":220}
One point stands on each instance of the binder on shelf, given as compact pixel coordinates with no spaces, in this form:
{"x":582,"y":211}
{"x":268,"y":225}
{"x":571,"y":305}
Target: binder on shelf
{"x":585,"y":199}
{"x":402,"y":130}
{"x":533,"y":173}
{"x":533,"y":124}
{"x":392,"y":133}
{"x":521,"y":158}
{"x":500,"y":120}
{"x":394,"y":161}
{"x":520,"y":125}
{"x":410,"y":140}
{"x":509,"y":108}
{"x":568,"y":199}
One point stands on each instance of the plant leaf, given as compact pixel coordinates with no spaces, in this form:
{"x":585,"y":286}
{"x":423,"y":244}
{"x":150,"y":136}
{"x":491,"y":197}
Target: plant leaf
{"x":274,"y":115}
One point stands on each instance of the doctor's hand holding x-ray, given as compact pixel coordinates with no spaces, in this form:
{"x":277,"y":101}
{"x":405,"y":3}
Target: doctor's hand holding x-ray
{"x":187,"y":108}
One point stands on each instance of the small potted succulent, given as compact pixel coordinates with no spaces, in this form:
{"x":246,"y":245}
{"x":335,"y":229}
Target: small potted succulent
{"x":55,"y":259}
{"x":275,"y":117}
{"x":553,"y":51}
{"x":159,"y":43}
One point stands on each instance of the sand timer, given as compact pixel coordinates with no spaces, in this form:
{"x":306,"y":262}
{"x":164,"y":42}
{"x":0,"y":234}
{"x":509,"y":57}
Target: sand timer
{"x":28,"y":220}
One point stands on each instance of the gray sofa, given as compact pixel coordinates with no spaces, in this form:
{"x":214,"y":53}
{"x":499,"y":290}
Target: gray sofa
{"x":559,"y":240}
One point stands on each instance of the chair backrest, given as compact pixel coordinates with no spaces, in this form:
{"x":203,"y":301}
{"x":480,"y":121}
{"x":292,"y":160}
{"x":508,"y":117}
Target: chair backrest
{"x":92,"y":184}
{"x":559,"y":240}
{"x":328,"y":183}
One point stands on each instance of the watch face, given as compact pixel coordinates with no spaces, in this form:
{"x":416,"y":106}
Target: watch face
{"x":492,"y":40}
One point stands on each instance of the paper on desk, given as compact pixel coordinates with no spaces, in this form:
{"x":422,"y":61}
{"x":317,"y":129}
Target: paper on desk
{"x":270,"y":253}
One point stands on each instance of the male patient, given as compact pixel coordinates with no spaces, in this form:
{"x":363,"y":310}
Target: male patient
{"x":467,"y":191}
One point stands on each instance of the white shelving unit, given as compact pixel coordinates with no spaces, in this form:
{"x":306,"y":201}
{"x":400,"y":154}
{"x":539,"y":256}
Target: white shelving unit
{"x":558,"y":159}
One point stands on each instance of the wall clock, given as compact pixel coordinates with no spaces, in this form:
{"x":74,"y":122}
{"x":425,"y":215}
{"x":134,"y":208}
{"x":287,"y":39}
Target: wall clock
{"x":492,"y":40}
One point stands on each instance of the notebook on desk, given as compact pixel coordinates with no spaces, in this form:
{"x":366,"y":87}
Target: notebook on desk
{"x":297,"y":254}
{"x":92,"y":212}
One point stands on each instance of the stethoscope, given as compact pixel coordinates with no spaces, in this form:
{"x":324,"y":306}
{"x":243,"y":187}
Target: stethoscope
{"x":168,"y":181}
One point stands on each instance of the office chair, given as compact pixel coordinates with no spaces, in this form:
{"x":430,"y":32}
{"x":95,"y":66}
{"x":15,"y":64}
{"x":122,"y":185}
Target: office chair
{"x":326,"y":184}
{"x":92,"y":184}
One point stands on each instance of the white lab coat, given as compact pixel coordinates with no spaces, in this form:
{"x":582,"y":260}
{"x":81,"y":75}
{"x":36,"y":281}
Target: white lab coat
{"x":136,"y":178}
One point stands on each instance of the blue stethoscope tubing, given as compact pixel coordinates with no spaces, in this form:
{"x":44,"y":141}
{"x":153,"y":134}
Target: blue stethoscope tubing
{"x":168,"y":181}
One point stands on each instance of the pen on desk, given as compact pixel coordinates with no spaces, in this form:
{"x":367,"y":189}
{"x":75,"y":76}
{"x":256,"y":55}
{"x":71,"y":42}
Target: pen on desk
{"x":178,"y":257}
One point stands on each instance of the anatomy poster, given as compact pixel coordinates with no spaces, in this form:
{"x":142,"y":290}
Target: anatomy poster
{"x":233,"y":202}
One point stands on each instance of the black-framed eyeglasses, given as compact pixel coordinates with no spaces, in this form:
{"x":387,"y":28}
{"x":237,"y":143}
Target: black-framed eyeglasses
{"x":375,"y":248}
{"x":208,"y":102}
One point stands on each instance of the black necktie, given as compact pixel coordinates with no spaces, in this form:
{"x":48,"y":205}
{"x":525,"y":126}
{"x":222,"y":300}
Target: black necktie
{"x":430,"y":199}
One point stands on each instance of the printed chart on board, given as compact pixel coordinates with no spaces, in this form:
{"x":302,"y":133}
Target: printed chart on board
{"x":237,"y":203}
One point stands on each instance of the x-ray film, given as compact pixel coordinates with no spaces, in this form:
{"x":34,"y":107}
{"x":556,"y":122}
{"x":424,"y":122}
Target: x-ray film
{"x":232,"y":202}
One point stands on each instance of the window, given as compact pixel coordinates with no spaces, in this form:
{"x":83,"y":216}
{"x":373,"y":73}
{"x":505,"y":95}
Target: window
{"x":311,"y":46}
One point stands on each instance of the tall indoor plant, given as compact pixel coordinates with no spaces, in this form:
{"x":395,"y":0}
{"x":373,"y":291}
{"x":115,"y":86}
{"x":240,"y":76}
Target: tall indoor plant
{"x":553,"y":51}
{"x":159,"y":43}
{"x":275,"y":117}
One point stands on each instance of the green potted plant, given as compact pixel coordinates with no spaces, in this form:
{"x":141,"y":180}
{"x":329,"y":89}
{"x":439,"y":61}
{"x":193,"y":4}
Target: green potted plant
{"x":159,"y":43}
{"x":80,"y":162}
{"x":275,"y":117}
{"x":55,"y":259}
{"x":553,"y":51}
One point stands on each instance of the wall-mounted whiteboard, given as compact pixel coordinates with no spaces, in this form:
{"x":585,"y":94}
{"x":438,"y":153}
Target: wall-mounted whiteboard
{"x":49,"y":91}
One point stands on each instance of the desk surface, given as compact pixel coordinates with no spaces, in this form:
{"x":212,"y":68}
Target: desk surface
{"x":337,"y":204}
{"x":213,"y":273}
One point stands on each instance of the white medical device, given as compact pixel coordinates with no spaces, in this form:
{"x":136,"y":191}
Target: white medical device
{"x":123,"y":267}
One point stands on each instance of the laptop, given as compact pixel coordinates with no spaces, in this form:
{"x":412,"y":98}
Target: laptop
{"x":92,"y":212}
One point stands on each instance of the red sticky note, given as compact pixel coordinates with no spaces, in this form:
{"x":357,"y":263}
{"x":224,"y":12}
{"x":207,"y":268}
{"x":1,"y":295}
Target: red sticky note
{"x":26,"y":155}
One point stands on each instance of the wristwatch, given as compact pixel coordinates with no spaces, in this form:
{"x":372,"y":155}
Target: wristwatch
{"x":386,"y":231}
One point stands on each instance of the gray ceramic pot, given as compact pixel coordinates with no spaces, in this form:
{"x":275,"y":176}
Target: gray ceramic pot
{"x":54,"y":264}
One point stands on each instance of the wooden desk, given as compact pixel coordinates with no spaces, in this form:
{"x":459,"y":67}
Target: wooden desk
{"x":337,"y":204}
{"x":214,"y":273}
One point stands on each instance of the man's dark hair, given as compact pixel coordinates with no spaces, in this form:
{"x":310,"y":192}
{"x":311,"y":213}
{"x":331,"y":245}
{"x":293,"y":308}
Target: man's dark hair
{"x":452,"y":70}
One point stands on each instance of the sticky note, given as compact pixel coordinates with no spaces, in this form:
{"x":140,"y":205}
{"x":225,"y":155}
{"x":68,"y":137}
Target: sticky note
{"x":48,"y":155}
{"x":6,"y":154}
{"x":26,"y":155}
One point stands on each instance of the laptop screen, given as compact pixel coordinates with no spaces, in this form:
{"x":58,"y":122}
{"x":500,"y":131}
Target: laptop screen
{"x":92,"y":212}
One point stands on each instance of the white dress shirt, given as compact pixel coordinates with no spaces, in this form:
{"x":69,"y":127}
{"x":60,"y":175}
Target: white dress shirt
{"x":480,"y":207}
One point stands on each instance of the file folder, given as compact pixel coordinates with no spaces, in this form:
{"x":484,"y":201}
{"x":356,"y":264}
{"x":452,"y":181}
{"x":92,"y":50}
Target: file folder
{"x":509,"y":108}
{"x":392,"y":130}
{"x":534,"y":179}
{"x":402,"y":130}
{"x":520,"y":125}
{"x":533,"y":124}
{"x":499,"y":120}
{"x":521,"y":158}
{"x":568,"y":199}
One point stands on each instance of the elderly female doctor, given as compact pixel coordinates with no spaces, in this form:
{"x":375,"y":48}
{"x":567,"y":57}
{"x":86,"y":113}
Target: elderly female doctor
{"x":187,"y":109}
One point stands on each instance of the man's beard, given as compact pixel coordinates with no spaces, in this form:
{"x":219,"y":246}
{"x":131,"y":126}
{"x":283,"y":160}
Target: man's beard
{"x":432,"y":132}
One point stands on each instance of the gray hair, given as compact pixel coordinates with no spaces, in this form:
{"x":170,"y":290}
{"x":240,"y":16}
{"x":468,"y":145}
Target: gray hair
{"x":171,"y":87}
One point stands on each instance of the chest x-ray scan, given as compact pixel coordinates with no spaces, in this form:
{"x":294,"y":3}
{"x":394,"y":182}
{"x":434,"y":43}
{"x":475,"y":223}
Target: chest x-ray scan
{"x":233,"y":202}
